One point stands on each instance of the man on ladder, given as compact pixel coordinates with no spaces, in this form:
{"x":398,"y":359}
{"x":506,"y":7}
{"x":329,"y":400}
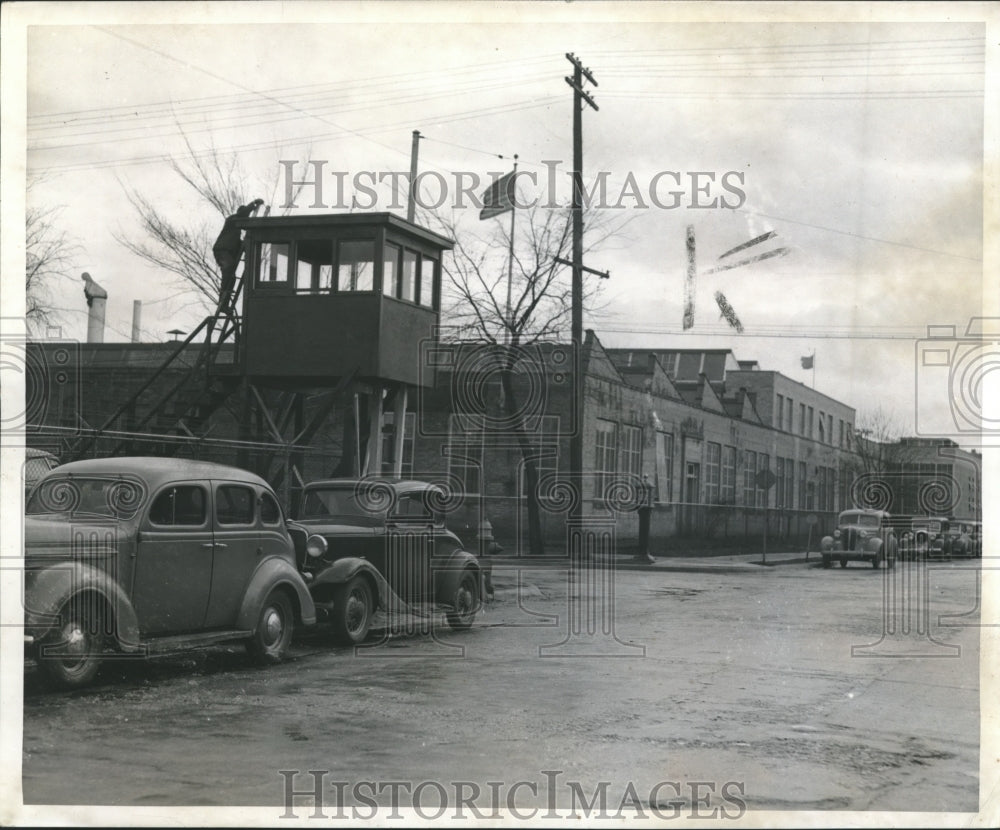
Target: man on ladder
{"x":228,"y":251}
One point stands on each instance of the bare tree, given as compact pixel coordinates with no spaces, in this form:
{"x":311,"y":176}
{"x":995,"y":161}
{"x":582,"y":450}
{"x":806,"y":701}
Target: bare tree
{"x":183,"y":246}
{"x":883,"y":459}
{"x":481,"y":276}
{"x":49,"y":255}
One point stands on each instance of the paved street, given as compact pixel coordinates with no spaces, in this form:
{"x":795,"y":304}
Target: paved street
{"x":737,"y":675}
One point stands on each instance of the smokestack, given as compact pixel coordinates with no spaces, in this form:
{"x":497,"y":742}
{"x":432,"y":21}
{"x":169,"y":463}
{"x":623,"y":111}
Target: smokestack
{"x":136,"y":320}
{"x":97,"y":298}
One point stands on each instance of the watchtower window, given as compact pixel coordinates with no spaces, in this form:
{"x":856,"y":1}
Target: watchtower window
{"x":313,"y":265}
{"x":390,"y":270}
{"x":356,"y":265}
{"x":408,"y":289}
{"x":428,"y":273}
{"x":273,"y":264}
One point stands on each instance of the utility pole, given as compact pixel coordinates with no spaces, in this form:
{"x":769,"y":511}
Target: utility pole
{"x":411,"y":204}
{"x":576,"y":438}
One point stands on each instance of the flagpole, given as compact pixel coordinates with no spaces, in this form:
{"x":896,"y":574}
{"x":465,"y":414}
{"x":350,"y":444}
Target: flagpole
{"x":814,"y":368}
{"x":510,"y":257}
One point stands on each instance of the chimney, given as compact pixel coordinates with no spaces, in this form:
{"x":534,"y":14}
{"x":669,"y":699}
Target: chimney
{"x":97,"y":298}
{"x":136,"y":320}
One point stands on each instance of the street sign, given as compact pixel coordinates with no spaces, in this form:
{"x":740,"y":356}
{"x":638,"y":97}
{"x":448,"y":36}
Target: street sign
{"x":765,"y":479}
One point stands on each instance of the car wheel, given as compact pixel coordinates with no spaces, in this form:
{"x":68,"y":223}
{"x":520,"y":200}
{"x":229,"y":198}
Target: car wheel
{"x":843,"y":563}
{"x":72,"y":656}
{"x":273,"y":635}
{"x":877,"y":561}
{"x":465,"y":602}
{"x":352,"y":611}
{"x":826,"y":562}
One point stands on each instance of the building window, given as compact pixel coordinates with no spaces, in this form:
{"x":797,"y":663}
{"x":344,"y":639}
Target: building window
{"x":605,"y":456}
{"x":822,"y":428}
{"x":779,"y":412}
{"x":408,"y":286}
{"x":779,"y":469}
{"x":713,"y":463}
{"x":789,"y":483}
{"x":632,"y":450}
{"x":749,"y":471}
{"x":788,"y":414}
{"x":728,"y":495}
{"x":313,"y":265}
{"x":664,"y":477}
{"x":273,"y":264}
{"x":465,"y":453}
{"x":389,"y":444}
{"x":356,"y":265}
{"x":829,"y":428}
{"x":802,"y":485}
{"x":802,"y":419}
{"x":428,"y":281}
{"x":763,"y":463}
{"x":809,"y":423}
{"x":390,"y":270}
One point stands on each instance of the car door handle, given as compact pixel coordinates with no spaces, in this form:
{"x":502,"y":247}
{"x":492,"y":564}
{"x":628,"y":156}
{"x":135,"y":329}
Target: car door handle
{"x":220,"y":544}
{"x":214,"y":545}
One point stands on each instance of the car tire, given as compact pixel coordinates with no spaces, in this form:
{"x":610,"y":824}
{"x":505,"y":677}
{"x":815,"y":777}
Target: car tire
{"x":877,"y":561}
{"x":81,"y":639}
{"x":465,"y":602}
{"x":352,"y":611}
{"x":273,"y":634}
{"x":843,"y":563}
{"x":826,"y":562}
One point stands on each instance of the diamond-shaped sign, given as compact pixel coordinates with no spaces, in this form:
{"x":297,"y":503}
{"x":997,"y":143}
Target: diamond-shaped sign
{"x":765,"y":479}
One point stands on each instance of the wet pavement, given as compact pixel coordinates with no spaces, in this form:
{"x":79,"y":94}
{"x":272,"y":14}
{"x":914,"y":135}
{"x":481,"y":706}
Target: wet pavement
{"x":785,"y":687}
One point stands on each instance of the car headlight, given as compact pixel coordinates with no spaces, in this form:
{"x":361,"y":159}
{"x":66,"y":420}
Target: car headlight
{"x":316,"y":546}
{"x":836,"y":534}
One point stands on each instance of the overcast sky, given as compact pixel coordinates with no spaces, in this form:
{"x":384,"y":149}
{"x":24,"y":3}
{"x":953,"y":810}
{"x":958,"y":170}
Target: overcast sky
{"x":860,"y":144}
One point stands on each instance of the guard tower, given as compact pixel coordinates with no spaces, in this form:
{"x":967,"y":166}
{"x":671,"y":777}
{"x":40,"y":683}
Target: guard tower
{"x":327,"y":296}
{"x":335,"y":307}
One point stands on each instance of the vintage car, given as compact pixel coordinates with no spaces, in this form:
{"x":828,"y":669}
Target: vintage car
{"x":916,"y":542}
{"x":955,"y":538}
{"x":139,"y":556}
{"x":861,"y":536}
{"x":36,"y":464}
{"x":384,"y":544}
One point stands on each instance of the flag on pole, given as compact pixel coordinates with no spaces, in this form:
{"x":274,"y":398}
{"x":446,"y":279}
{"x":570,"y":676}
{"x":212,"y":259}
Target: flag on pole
{"x":499,"y":198}
{"x":807,"y":362}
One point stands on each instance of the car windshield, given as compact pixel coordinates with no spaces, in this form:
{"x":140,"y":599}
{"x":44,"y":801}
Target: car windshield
{"x":113,"y":498}
{"x":860,"y":520}
{"x":330,"y":502}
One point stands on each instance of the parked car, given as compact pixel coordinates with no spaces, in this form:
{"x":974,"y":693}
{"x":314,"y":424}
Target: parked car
{"x":916,"y":544}
{"x":384,"y":544}
{"x":861,"y":536}
{"x":150,"y":555}
{"x":36,"y":464}
{"x":954,"y":539}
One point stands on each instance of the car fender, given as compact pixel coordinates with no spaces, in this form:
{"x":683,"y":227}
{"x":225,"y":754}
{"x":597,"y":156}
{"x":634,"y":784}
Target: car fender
{"x":448,"y":572}
{"x":47,"y":590}
{"x":343,"y":570}
{"x":873,"y":545}
{"x":272,"y":573}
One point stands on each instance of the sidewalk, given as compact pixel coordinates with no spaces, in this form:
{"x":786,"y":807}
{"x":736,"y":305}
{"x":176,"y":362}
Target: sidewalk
{"x":703,"y":563}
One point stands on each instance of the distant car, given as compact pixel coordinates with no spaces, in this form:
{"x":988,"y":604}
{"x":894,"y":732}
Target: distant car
{"x":151,"y":555}
{"x":861,"y":536}
{"x":955,"y":540}
{"x":384,"y":544}
{"x":923,"y":529}
{"x":36,"y":464}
